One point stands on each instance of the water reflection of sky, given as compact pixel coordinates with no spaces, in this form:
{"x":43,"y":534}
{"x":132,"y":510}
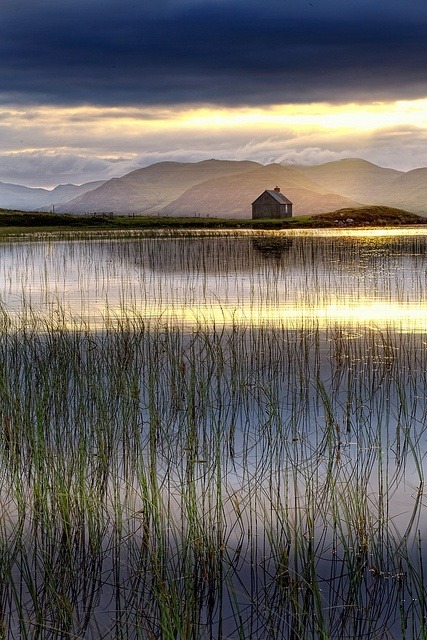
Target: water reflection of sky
{"x":317,"y":439}
{"x":376,"y":278}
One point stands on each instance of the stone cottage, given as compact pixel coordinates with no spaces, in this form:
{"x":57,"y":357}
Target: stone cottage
{"x":272,"y":204}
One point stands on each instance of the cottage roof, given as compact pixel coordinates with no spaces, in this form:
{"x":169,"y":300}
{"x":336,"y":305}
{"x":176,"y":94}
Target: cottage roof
{"x":277,"y":195}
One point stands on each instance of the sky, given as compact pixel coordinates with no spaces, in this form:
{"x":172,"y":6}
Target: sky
{"x":92,"y":89}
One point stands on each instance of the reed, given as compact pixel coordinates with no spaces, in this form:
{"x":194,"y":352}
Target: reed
{"x":162,"y":479}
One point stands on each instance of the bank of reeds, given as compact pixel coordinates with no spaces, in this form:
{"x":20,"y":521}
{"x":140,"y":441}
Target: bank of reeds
{"x":162,"y":480}
{"x":160,"y":483}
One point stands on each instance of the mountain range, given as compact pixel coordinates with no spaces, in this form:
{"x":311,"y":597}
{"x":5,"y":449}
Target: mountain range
{"x":222,"y":188}
{"x":16,"y":196}
{"x":372,"y":184}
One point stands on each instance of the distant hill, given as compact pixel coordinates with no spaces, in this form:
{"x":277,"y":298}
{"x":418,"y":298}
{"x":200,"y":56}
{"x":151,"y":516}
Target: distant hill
{"x":408,"y":191}
{"x":372,"y":184}
{"x":353,"y":178}
{"x":149,"y":189}
{"x":232,"y":196}
{"x":65,"y":192}
{"x":227,"y":188}
{"x":15,"y":196}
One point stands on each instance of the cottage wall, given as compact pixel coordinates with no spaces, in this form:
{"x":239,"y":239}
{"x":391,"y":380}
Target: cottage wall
{"x":265,"y":207}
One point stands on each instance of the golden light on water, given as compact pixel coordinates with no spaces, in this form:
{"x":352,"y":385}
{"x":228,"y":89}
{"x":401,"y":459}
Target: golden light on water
{"x":348,"y":282}
{"x":376,"y":315}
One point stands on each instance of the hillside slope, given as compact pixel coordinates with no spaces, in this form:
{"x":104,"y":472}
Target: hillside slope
{"x":408,"y":191}
{"x":367,"y":182}
{"x":16,"y":196}
{"x":149,"y":189}
{"x":353,"y":178}
{"x":220,"y":187}
{"x":232,"y":196}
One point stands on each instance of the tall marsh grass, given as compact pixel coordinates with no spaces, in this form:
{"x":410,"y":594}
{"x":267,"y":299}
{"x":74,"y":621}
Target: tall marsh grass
{"x":167,"y":481}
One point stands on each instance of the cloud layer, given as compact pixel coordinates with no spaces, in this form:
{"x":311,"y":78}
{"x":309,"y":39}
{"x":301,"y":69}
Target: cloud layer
{"x":243,"y":52}
{"x":91,"y":89}
{"x":48,"y":168}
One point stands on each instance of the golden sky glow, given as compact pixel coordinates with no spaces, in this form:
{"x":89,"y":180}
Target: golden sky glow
{"x":109,"y":122}
{"x":46,"y":145}
{"x":319,"y":115}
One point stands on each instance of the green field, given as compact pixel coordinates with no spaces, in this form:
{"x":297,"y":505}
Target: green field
{"x":12,"y":222}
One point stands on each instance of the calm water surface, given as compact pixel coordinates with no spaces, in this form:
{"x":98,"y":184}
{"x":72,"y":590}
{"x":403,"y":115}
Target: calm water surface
{"x":214,"y":437}
{"x":375,"y":278}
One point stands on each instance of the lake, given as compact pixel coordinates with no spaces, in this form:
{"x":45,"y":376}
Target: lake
{"x":215,"y":435}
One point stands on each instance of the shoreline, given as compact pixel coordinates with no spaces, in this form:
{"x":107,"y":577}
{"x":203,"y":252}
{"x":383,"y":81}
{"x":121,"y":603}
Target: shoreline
{"x":22,"y":222}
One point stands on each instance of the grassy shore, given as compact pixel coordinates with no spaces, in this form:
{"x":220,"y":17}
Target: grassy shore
{"x":12,"y":222}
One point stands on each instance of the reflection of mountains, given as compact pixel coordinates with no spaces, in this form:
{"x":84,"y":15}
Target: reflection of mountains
{"x":225,"y":255}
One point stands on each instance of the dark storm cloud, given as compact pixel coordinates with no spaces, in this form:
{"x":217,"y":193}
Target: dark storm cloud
{"x":113,"y":52}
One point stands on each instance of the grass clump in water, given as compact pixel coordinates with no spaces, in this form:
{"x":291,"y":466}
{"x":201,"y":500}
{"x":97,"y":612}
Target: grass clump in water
{"x":224,"y":479}
{"x":167,"y":484}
